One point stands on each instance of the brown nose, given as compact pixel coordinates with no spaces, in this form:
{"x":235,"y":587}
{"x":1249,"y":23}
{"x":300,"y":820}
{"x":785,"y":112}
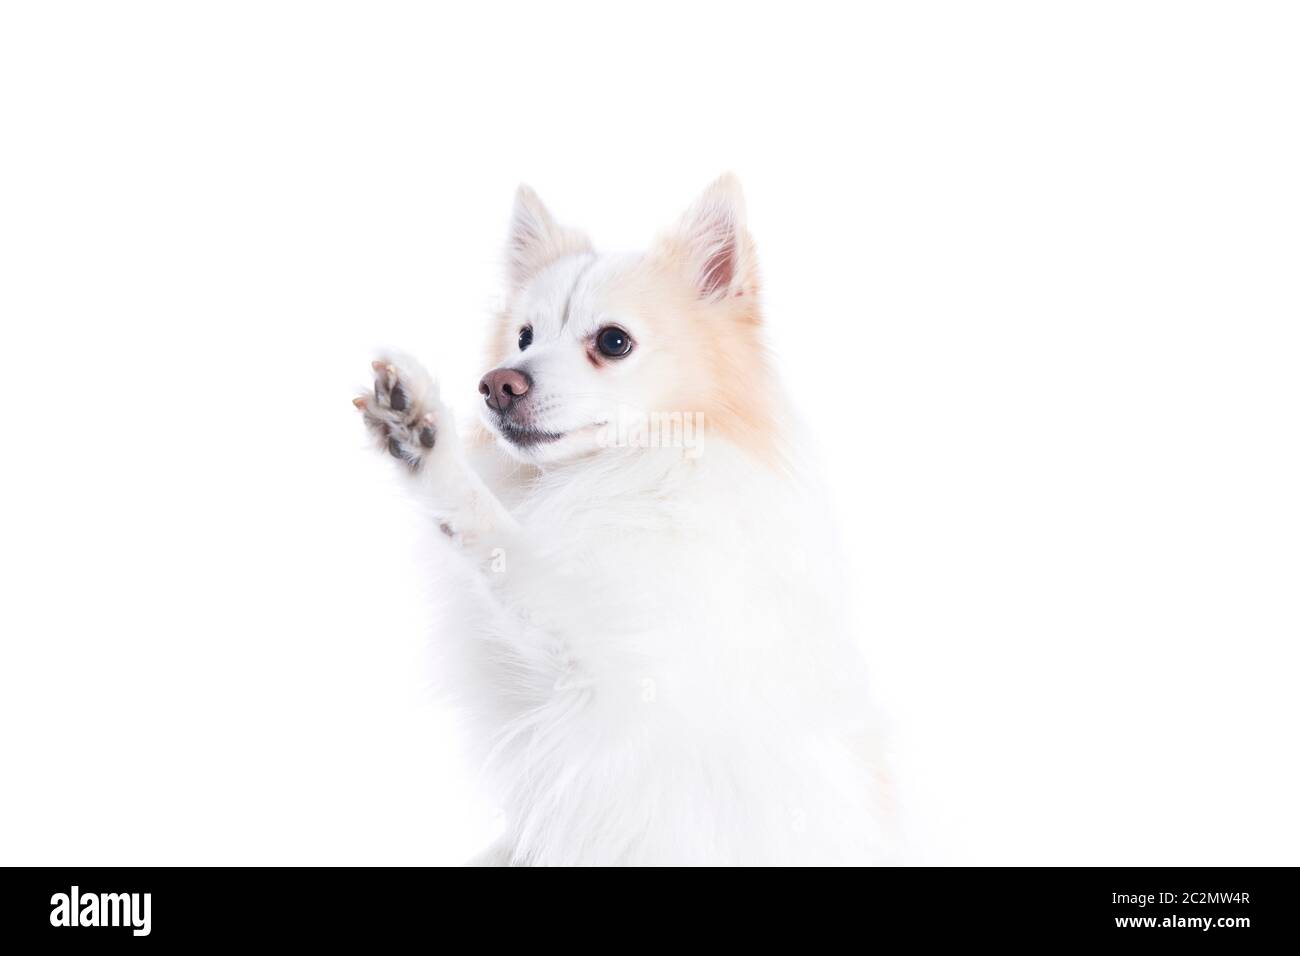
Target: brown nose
{"x":502,"y":386}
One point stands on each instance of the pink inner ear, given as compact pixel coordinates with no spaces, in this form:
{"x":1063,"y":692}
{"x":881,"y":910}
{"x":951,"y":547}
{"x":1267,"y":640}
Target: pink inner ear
{"x":719,"y":268}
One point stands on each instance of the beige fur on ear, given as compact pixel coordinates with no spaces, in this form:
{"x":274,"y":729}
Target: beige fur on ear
{"x":536,"y":239}
{"x":712,"y":243}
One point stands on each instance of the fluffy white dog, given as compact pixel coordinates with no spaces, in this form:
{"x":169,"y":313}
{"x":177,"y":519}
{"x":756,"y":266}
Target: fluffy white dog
{"x":650,"y":651}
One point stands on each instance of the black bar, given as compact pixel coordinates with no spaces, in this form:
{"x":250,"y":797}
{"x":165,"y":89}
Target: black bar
{"x":385,"y":906}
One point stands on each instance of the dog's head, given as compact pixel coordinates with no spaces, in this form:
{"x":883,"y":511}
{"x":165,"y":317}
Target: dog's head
{"x":643,"y":350}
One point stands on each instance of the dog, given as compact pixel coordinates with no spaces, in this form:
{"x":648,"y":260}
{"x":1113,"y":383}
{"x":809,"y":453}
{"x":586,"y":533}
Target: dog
{"x":648,"y":643}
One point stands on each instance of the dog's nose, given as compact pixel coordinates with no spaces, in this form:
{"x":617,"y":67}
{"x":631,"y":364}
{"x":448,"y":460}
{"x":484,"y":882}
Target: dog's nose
{"x":502,"y":386}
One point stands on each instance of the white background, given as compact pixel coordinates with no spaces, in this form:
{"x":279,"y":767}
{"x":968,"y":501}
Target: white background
{"x":1031,"y":273}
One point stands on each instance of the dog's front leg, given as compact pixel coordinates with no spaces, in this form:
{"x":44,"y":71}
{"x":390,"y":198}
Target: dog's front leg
{"x":408,"y":420}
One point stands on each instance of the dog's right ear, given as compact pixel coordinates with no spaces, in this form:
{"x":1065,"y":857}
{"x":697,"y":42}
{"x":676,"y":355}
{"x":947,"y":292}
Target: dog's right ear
{"x":536,"y":239}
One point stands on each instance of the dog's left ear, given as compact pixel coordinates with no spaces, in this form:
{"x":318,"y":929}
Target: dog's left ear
{"x":711,"y":241}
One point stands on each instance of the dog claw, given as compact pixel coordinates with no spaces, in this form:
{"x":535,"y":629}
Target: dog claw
{"x":385,"y":376}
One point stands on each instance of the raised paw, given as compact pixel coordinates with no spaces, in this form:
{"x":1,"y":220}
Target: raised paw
{"x":403,"y":412}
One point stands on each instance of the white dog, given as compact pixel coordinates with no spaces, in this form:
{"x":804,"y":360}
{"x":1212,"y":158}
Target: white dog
{"x":651,"y":651}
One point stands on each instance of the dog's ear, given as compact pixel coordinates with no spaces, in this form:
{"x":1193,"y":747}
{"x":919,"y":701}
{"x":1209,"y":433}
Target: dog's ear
{"x":711,"y":242}
{"x":536,"y":239}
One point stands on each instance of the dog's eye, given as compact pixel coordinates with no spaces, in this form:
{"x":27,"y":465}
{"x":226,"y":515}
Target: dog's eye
{"x":613,"y":341}
{"x":525,"y":337}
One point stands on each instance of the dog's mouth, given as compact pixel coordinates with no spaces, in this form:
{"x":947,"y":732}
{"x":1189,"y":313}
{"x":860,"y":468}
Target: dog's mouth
{"x":526,"y":437}
{"x":523,"y":437}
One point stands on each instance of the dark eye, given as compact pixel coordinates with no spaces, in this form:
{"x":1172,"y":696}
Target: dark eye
{"x":525,"y":337}
{"x":613,"y":341}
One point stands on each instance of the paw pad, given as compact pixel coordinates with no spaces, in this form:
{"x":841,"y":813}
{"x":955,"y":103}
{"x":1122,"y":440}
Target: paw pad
{"x":398,"y":415}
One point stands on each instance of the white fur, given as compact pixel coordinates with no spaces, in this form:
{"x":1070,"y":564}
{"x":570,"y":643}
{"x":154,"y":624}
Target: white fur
{"x":646,"y":642}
